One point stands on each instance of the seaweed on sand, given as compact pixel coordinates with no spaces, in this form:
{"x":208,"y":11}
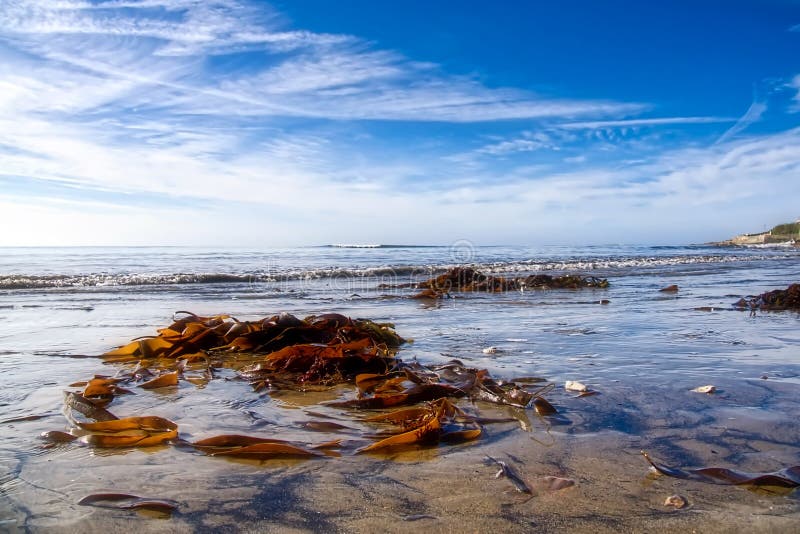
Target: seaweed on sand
{"x":778,"y":482}
{"x":284,"y":352}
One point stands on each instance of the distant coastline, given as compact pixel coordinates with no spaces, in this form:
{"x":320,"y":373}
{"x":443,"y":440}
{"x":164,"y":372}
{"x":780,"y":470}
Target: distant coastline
{"x":781,"y":235}
{"x":376,"y":245}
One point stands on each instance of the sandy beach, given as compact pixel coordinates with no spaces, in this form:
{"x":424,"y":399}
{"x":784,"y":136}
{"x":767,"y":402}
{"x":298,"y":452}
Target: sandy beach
{"x":643,"y":351}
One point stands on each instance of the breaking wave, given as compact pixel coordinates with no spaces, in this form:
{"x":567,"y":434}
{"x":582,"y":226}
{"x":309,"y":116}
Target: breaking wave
{"x":377,"y":245}
{"x":619,"y":266}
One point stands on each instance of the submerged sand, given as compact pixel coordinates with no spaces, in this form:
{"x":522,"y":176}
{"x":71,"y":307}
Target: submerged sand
{"x":452,"y":488}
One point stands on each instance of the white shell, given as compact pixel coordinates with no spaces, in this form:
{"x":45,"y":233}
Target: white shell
{"x":573,"y":385}
{"x":705,"y":389}
{"x":676,"y":501}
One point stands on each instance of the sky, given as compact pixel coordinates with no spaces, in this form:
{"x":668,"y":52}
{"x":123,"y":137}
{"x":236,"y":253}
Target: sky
{"x":305,"y":122}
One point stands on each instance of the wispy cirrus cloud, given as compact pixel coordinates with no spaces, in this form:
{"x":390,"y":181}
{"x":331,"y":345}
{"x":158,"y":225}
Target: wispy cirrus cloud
{"x":131,"y":116}
{"x":527,"y":142}
{"x":291,"y":73}
{"x":753,"y":114}
{"x":183,"y":27}
{"x":659,"y":197}
{"x":794,"y":84}
{"x":164,"y":97}
{"x":556,"y":136}
{"x":637,"y":123}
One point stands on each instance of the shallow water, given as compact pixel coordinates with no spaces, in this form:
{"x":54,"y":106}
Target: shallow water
{"x":643,"y":351}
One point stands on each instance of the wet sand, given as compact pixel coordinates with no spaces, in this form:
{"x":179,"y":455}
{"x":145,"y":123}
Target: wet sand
{"x":451,"y":488}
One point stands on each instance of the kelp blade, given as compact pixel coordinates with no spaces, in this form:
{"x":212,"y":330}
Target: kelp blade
{"x":137,"y":440}
{"x":266,"y":451}
{"x":161,"y":381}
{"x":125,"y":501}
{"x":79,"y":403}
{"x":234,"y":440}
{"x":428,"y":433}
{"x":147,"y":423}
{"x":782,"y":482}
{"x":460,"y":436}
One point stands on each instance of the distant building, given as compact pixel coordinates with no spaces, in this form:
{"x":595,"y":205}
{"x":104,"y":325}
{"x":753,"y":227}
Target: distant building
{"x":750,"y":239}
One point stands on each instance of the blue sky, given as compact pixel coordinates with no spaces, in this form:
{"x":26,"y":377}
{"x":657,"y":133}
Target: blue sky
{"x":261,"y":124}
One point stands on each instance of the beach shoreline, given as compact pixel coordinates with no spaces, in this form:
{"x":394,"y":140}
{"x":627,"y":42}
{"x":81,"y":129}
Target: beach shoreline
{"x":643,"y":351}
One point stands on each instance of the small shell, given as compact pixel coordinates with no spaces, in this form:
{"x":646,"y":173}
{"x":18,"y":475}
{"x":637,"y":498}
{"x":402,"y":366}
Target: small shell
{"x":573,"y":385}
{"x":491,"y":350}
{"x":676,"y":501}
{"x":705,"y":389}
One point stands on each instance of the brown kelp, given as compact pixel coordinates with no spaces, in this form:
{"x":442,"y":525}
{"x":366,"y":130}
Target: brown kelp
{"x":191,"y":335}
{"x":98,"y":427}
{"x":414,"y":383}
{"x":779,"y":482}
{"x":130,"y":432}
{"x":126,"y":501}
{"x":282,"y":352}
{"x":776,"y":300}
{"x":252,"y":447}
{"x":436,"y":421}
{"x":466,"y":279}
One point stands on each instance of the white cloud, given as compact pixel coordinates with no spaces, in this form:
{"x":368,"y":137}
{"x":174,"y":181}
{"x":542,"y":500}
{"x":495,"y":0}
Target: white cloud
{"x":210,"y":27}
{"x":125,"y":107}
{"x":529,"y":142}
{"x":605,"y":133}
{"x":634,"y":123}
{"x":278,"y":186}
{"x":795,"y":85}
{"x":753,"y":114}
{"x":162,"y":47}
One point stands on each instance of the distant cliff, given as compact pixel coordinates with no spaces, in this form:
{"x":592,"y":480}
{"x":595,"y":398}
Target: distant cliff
{"x":782,"y":233}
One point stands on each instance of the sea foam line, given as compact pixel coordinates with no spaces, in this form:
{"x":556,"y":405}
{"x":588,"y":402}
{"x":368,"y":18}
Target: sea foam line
{"x":383,"y":273}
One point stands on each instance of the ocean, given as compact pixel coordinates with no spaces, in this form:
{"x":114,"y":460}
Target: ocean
{"x":642,"y":350}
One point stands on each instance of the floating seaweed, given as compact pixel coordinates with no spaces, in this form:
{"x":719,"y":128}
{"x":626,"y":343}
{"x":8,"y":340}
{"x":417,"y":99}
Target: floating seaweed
{"x":107,"y":430}
{"x":192,"y":336}
{"x":284,"y":352}
{"x":412,"y":384}
{"x":776,"y":300}
{"x":426,"y":425}
{"x":144,"y":431}
{"x":779,"y":482}
{"x":161,"y":381}
{"x":254,"y":448}
{"x":126,"y":501}
{"x":75,"y":402}
{"x":468,"y":279}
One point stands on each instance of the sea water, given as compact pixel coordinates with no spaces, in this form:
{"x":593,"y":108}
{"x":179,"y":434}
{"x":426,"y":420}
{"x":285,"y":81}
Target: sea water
{"x":643,"y":350}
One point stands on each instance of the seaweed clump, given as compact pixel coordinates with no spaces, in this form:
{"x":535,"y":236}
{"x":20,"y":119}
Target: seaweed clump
{"x":283,"y":352}
{"x":327,"y":348}
{"x":468,"y":279}
{"x":776,"y":300}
